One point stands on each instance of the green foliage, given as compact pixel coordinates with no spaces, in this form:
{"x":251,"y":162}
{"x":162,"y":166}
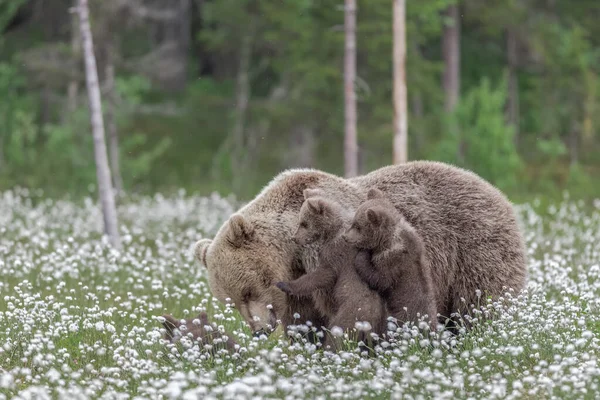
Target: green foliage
{"x":478,"y":132}
{"x":296,"y":93}
{"x":8,"y":9}
{"x":60,"y":156}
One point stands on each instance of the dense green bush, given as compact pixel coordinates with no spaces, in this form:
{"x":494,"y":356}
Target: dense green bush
{"x":478,"y":137}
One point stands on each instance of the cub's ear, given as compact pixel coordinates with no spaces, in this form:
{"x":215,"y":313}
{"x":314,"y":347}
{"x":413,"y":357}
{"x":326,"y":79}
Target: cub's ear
{"x":374,"y":193}
{"x":374,"y":217}
{"x":201,"y":249}
{"x":170,"y":324}
{"x":240,"y":230}
{"x":308,"y":193}
{"x":203,"y":317}
{"x":317,"y":206}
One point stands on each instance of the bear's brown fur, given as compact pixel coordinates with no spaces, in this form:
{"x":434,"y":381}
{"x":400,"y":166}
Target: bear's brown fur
{"x":323,"y":221}
{"x":198,"y":329}
{"x":471,"y":237}
{"x":393,"y":260}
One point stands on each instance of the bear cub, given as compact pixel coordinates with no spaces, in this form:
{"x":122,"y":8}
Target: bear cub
{"x":324,"y":220}
{"x":394,"y":262}
{"x":198,"y":329}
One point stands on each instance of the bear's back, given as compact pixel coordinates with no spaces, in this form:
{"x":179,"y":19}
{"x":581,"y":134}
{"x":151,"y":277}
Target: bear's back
{"x":471,"y":236}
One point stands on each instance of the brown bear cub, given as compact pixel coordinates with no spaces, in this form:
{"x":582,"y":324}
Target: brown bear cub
{"x":394,"y":263}
{"x":354,"y":304}
{"x":198,"y":329}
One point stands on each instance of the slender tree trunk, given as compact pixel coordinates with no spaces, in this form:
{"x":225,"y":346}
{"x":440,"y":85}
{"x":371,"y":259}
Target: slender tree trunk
{"x":513,"y":83}
{"x":418,"y":111}
{"x":574,"y":144}
{"x":1,"y":152}
{"x":185,"y":12}
{"x":350,"y":141}
{"x":400,"y":95}
{"x":73,"y":87}
{"x":45,"y":106}
{"x":302,"y":145}
{"x":241,"y":108}
{"x":102,"y":170}
{"x":113,"y":138}
{"x":451,"y":79}
{"x":451,"y":50}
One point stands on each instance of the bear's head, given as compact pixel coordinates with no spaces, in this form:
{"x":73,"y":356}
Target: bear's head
{"x":320,"y":218}
{"x":243,"y":262}
{"x":373,"y":224}
{"x":254,"y":249}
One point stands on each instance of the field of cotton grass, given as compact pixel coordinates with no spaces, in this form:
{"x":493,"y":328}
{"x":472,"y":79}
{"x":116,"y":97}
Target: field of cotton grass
{"x":79,"y":320}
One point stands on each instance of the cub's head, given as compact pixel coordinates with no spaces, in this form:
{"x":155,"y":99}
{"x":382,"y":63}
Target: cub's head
{"x":198,"y":329}
{"x":373,"y":223}
{"x":319,"y":218}
{"x":243,"y":261}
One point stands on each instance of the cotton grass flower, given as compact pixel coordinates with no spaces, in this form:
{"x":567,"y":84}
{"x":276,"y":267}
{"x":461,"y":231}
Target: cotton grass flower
{"x":78,"y":319}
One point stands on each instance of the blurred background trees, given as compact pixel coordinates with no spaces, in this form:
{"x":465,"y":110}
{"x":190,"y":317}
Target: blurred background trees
{"x":223,"y":94}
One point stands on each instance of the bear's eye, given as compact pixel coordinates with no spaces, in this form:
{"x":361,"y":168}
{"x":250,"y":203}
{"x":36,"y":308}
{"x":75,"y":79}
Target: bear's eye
{"x":303,"y":224}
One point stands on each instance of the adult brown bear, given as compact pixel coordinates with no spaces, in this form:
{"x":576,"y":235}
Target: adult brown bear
{"x":472,"y":240}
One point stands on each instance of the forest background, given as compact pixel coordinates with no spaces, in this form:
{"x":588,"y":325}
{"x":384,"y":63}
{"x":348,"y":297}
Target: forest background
{"x":223,"y":94}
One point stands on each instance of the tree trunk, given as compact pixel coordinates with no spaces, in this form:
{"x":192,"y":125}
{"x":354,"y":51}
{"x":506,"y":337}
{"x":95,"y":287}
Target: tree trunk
{"x":400,"y":95}
{"x":451,"y":50}
{"x":102,"y":170}
{"x":350,"y":142}
{"x":302,"y":145}
{"x":1,"y":152}
{"x":113,"y":138}
{"x":185,"y":12}
{"x":574,"y":144}
{"x":451,"y":79}
{"x":513,"y":83}
{"x":418,"y":112}
{"x":241,"y":108}
{"x":73,"y":87}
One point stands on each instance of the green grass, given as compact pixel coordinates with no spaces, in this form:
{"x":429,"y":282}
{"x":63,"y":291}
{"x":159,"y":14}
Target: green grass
{"x":77,"y":318}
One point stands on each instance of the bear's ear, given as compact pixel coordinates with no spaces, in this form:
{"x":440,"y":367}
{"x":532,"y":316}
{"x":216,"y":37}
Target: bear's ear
{"x":374,"y":217}
{"x":308,"y":193}
{"x":240,"y":230}
{"x":317,"y":206}
{"x":170,"y":324}
{"x":201,"y":249}
{"x":374,"y":193}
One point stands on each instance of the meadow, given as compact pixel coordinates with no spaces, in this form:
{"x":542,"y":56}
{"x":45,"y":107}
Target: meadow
{"x":80,"y":320}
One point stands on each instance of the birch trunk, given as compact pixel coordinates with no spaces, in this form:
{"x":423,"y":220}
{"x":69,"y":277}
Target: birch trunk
{"x":102,"y":170}
{"x":451,"y":79}
{"x":350,"y":142}
{"x":400,"y":92}
{"x":113,"y":138}
{"x":451,"y":50}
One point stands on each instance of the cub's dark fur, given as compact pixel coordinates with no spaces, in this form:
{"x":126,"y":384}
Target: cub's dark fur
{"x":350,"y":299}
{"x":393,"y":259}
{"x":200,"y":331}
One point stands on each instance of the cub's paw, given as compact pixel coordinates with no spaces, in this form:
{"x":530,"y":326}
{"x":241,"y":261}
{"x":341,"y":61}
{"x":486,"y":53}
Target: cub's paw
{"x":284,"y":286}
